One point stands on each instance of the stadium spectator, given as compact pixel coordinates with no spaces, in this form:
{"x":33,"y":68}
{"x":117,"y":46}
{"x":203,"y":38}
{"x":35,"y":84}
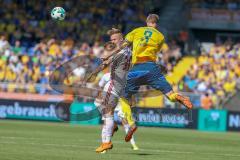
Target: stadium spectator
{"x":182,"y":41}
{"x":97,"y":49}
{"x":206,"y":101}
{"x":4,"y":45}
{"x":17,"y":49}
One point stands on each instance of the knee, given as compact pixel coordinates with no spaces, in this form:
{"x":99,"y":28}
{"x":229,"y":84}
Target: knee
{"x":108,"y":111}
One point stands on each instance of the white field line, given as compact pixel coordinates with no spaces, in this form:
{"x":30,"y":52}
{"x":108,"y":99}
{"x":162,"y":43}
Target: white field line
{"x":93,"y":141}
{"x":123,"y":149}
{"x":10,"y":137}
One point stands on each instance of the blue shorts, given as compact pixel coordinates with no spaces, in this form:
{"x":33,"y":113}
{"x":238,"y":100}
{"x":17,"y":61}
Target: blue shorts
{"x":148,"y":74}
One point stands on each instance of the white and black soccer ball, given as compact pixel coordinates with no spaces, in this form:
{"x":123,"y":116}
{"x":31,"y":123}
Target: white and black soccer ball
{"x":58,"y":13}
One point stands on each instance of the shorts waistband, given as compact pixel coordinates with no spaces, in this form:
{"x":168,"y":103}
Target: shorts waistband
{"x":144,"y":62}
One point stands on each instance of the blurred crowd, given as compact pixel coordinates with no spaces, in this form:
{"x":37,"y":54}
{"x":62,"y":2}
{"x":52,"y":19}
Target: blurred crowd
{"x":32,"y":45}
{"x":215,"y":75}
{"x":27,"y":69}
{"x":215,"y":4}
{"x":23,"y":67}
{"x":29,"y":21}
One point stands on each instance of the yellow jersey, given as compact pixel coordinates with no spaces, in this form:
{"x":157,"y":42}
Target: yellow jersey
{"x":147,"y":42}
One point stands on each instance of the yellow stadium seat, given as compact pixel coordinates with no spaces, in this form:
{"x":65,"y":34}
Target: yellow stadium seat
{"x":180,"y":70}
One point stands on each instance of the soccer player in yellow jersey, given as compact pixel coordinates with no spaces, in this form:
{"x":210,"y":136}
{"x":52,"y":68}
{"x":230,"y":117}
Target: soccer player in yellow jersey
{"x":146,"y":44}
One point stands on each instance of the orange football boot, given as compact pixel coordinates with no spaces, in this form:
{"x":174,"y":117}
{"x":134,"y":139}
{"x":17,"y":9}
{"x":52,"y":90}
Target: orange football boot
{"x":184,"y":101}
{"x":129,"y":135}
{"x":104,"y":147}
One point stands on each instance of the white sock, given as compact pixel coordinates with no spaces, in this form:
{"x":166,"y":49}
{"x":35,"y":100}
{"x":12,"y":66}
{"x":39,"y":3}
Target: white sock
{"x":126,"y":128}
{"x":104,"y":133}
{"x":107,"y":129}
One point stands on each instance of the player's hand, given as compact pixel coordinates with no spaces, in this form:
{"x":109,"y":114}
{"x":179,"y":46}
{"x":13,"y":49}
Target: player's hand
{"x":103,"y":58}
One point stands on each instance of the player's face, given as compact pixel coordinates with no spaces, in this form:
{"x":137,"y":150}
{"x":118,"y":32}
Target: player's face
{"x":151,"y":24}
{"x":116,"y":39}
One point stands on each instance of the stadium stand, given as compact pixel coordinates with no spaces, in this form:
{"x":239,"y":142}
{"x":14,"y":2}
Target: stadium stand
{"x":32,"y":45}
{"x":29,"y":21}
{"x":21,"y":70}
{"x":31,"y":49}
{"x":214,"y":4}
{"x":215,"y":75}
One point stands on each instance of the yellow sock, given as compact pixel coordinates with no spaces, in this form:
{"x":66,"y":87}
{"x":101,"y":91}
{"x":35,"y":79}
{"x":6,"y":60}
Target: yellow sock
{"x":126,"y":109}
{"x":172,"y":97}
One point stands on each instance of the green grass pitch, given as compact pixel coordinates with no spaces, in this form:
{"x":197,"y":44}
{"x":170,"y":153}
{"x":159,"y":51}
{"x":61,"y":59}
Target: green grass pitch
{"x":28,"y":140}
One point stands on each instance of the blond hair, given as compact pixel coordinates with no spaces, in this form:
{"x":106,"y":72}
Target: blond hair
{"x":114,"y":31}
{"x":152,"y":18}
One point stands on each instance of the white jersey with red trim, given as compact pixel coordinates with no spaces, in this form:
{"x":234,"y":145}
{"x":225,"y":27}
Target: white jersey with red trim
{"x":121,"y":64}
{"x":119,"y":68}
{"x":115,"y":81}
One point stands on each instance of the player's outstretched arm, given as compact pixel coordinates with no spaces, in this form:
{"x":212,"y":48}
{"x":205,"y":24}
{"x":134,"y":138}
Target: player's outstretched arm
{"x":99,"y":69}
{"x":107,"y":61}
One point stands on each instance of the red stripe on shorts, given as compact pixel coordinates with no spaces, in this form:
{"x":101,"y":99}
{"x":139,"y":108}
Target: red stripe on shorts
{"x":106,"y":99}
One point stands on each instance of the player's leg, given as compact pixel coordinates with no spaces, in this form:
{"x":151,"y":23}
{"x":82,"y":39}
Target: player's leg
{"x":106,"y":133}
{"x":176,"y":97}
{"x":132,"y":125}
{"x":128,"y":120}
{"x":158,"y":81}
{"x":107,"y":105}
{"x":126,"y":127}
{"x":122,"y":113}
{"x":115,"y":128}
{"x":127,"y":112}
{"x":134,"y":81}
{"x":106,"y":130}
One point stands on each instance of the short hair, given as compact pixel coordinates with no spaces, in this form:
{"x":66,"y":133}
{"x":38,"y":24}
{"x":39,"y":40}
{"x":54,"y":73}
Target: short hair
{"x":114,"y":31}
{"x":152,"y":18}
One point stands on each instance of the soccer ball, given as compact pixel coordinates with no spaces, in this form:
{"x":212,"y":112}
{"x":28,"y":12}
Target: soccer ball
{"x":58,"y":13}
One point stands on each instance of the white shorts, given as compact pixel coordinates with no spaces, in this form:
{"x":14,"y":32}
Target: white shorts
{"x":109,"y":97}
{"x":119,"y":111}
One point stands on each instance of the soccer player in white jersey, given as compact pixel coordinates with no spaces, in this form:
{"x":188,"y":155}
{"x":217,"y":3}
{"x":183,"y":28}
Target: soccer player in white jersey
{"x":120,"y":112}
{"x":107,"y":102}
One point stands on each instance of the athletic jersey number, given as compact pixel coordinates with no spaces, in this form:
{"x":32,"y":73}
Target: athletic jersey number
{"x":147,"y":35}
